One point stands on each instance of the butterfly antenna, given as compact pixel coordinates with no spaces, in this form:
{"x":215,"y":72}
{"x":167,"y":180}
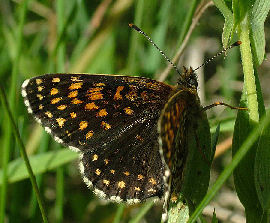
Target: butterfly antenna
{"x":151,"y":41}
{"x":237,"y":43}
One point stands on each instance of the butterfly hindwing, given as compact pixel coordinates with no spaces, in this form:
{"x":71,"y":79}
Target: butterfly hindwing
{"x":174,"y":122}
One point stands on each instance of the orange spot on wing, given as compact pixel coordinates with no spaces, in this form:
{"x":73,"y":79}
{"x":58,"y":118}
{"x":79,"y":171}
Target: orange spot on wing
{"x":106,"y":182}
{"x":56,"y":79}
{"x":99,"y":84}
{"x":96,"y":96}
{"x":118,"y":95}
{"x":76,"y":101}
{"x":54,"y":91}
{"x":39,"y":96}
{"x":49,"y":114}
{"x":75,"y":86}
{"x":137,"y":188}
{"x":60,"y":122}
{"x":95,"y":93}
{"x":83,"y":125}
{"x":38,"y":81}
{"x":105,"y":125}
{"x":73,"y":94}
{"x":91,"y":106}
{"x":61,"y":107}
{"x":95,"y":157}
{"x":40,"y":88}
{"x":121,"y":184}
{"x":128,"y":111}
{"x":102,"y":113}
{"x":73,"y":115}
{"x":56,"y":100}
{"x":76,"y":78}
{"x":152,"y":181}
{"x":89,"y":134}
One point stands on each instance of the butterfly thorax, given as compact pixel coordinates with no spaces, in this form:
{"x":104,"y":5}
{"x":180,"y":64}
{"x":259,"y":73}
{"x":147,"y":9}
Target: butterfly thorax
{"x":188,"y":79}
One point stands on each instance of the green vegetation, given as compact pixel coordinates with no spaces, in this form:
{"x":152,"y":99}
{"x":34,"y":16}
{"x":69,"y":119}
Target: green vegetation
{"x":39,"y":37}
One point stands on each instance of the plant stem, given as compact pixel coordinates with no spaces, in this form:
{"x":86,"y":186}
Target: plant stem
{"x":249,"y":78}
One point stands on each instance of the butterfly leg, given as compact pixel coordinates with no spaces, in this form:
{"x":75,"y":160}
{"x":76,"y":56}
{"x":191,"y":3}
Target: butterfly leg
{"x":224,"y":104}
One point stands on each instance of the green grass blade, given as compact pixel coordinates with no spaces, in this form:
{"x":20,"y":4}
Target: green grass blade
{"x":24,"y":155}
{"x":135,"y":39}
{"x":188,"y":21}
{"x":119,"y":213}
{"x":7,"y":128}
{"x":41,"y":163}
{"x":143,"y":210}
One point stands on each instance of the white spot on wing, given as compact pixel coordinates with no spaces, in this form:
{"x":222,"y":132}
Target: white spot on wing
{"x":74,"y":149}
{"x":99,"y":193}
{"x":88,"y":182}
{"x":23,"y":93}
{"x":116,"y":199}
{"x":30,"y":111}
{"x":48,"y":130}
{"x":57,"y":139}
{"x":26,"y":102}
{"x":133,"y":201}
{"x":25,"y":83}
{"x":38,"y":120}
{"x":81,"y":167}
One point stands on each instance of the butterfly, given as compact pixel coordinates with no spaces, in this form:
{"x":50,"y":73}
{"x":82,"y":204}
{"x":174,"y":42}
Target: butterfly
{"x":132,"y":133}
{"x":112,"y":121}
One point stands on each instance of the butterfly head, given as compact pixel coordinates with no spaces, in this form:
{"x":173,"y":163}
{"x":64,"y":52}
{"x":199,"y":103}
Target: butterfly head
{"x":188,"y":78}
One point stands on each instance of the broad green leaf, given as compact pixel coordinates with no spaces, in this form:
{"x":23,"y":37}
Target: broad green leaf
{"x":241,"y":9}
{"x":244,"y":172}
{"x":262,"y":169}
{"x":257,"y":11}
{"x":40,"y":163}
{"x":257,"y":15}
{"x":228,"y":24}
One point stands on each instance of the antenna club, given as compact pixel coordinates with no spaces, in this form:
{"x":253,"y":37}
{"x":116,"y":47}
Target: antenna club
{"x":131,"y":25}
{"x":237,"y":43}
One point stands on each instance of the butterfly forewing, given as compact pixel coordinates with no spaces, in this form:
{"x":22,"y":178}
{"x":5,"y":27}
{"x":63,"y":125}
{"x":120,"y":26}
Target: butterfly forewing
{"x":112,"y":121}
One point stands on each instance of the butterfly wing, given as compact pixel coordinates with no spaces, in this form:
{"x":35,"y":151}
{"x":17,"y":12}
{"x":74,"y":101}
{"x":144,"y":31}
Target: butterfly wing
{"x":174,"y":122}
{"x":112,"y":121}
